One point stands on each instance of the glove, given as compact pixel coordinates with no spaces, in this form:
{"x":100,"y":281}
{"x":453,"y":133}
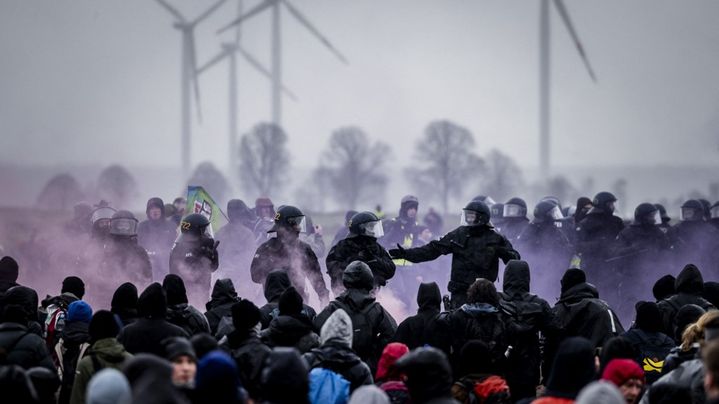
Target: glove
{"x":398,"y":252}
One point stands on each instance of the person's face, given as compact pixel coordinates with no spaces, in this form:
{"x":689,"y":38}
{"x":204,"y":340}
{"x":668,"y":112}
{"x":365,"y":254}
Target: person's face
{"x":631,"y":390}
{"x":412,"y":213}
{"x":154,"y":213}
{"x":265,"y":212}
{"x":179,"y":207}
{"x":183,"y":370}
{"x":426,"y":235}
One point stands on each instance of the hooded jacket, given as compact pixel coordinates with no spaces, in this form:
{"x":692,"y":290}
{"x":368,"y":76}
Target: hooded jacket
{"x":124,"y":303}
{"x":335,"y":353}
{"x":179,"y":312}
{"x":220,"y":304}
{"x":428,"y":376}
{"x":249,"y":354}
{"x":573,"y":369}
{"x":104,"y":353}
{"x":580,"y":312}
{"x":276,"y":283}
{"x":151,"y":380}
{"x":26,"y":349}
{"x":26,"y":298}
{"x":689,"y":285}
{"x":157,"y":235}
{"x":417,"y":330}
{"x":148,"y":332}
{"x":291,"y":331}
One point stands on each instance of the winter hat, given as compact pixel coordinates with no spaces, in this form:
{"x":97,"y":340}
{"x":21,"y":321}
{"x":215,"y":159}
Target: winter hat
{"x":572,"y":277}
{"x":390,"y":354}
{"x":203,"y":343}
{"x":74,"y":285}
{"x":711,"y":292}
{"x":178,"y":346}
{"x":600,"y":392}
{"x":290,"y":302}
{"x":648,"y":318}
{"x":245,"y":315}
{"x":276,"y":283}
{"x":8,"y":269}
{"x":338,"y":326}
{"x":103,"y":325}
{"x":688,"y":314}
{"x":619,"y":371}
{"x":108,"y":386}
{"x":174,"y":289}
{"x":429,"y":296}
{"x":152,"y":302}
{"x":573,"y":368}
{"x":79,"y":311}
{"x":124,"y":298}
{"x":690,"y":280}
{"x":664,"y":287}
{"x":358,"y":275}
{"x":217,"y":379}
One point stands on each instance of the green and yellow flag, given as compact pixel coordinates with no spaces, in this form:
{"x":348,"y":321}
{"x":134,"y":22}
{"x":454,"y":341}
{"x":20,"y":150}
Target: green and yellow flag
{"x":199,"y":201}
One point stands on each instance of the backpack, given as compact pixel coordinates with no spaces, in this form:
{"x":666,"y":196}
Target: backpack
{"x":487,"y":389}
{"x":651,"y":355}
{"x":54,"y":324}
{"x":328,"y":387}
{"x":364,"y":338}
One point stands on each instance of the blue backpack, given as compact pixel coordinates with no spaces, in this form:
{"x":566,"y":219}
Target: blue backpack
{"x":328,"y":387}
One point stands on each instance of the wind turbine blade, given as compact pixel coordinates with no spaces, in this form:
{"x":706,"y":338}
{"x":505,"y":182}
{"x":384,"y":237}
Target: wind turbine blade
{"x":573,"y":33}
{"x":304,"y":21}
{"x":208,"y":12}
{"x":172,"y":10}
{"x":256,"y":10}
{"x":193,"y":76}
{"x":264,"y":71}
{"x":212,"y":62}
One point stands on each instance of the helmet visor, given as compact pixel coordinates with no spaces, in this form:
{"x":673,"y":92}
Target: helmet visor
{"x":123,"y":227}
{"x":556,"y":213}
{"x":489,"y":201}
{"x":689,"y":214}
{"x":657,"y":218}
{"x":297,"y":223}
{"x":207,"y":231}
{"x":512,"y":211}
{"x":714,"y":212}
{"x":469,"y":218}
{"x":372,"y":229}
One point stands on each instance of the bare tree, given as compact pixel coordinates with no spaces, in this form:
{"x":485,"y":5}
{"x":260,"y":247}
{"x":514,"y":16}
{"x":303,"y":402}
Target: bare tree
{"x":502,"y":178}
{"x":61,"y":192}
{"x":445,"y":160}
{"x":354,"y":167}
{"x":117,"y":185}
{"x":209,"y":177}
{"x":264,"y":159}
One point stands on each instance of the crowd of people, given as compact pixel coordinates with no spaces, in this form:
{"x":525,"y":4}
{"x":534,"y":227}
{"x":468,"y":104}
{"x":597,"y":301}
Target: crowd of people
{"x":535,"y":310}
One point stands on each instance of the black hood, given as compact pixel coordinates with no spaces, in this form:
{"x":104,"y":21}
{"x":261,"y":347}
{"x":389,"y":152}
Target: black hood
{"x":287,"y":330}
{"x":237,"y":211}
{"x":155,"y":203}
{"x":152,"y":302}
{"x":285,"y":377}
{"x":150,"y":378}
{"x":334,"y":354}
{"x":24,"y":297}
{"x":516,"y":278}
{"x":276,"y":283}
{"x":573,"y":368}
{"x":428,"y":374}
{"x":429,"y":297}
{"x":174,"y":290}
{"x":690,"y":281}
{"x":356,"y":299}
{"x":125,"y":298}
{"x":579,"y":292}
{"x":222,"y":293}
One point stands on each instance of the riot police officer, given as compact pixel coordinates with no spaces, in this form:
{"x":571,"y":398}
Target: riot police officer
{"x":288,"y":253}
{"x":514,"y":217}
{"x":696,"y":240}
{"x":595,"y":237}
{"x":360,"y":245}
{"x":194,"y":256}
{"x":475,"y":248}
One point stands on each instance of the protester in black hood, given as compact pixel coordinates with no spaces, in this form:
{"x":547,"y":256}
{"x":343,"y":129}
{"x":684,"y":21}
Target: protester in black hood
{"x":203,"y":343}
{"x":27,"y":299}
{"x":580,"y":312}
{"x":73,"y":288}
{"x":124,"y":303}
{"x":179,"y":312}
{"x":651,"y":345}
{"x":220,"y":304}
{"x":18,"y":345}
{"x":285,"y":378}
{"x":8,"y":273}
{"x":584,"y":205}
{"x":689,"y":287}
{"x":291,"y":328}
{"x":374,"y":326}
{"x":664,"y":288}
{"x":711,"y":293}
{"x":686,"y":317}
{"x":146,"y":334}
{"x":527,"y":316}
{"x":428,"y":376}
{"x":156,"y":235}
{"x":150,"y":377}
{"x":277,"y":282}
{"x":417,"y":330}
{"x":573,"y":369}
{"x":245,"y":346}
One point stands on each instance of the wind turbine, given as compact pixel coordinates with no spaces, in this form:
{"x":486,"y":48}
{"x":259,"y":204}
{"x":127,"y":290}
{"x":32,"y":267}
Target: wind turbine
{"x":188,"y":75}
{"x":274,"y":5}
{"x":229,"y":51}
{"x":544,"y":76}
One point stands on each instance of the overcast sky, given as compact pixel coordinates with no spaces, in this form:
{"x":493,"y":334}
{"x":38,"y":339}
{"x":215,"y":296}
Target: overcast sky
{"x":93,"y":82}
